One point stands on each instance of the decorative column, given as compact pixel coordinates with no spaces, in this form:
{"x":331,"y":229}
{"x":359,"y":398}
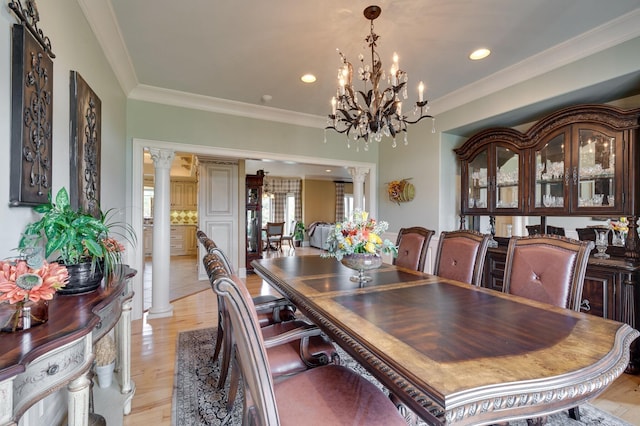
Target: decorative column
{"x":160,"y":306}
{"x":358,"y":174}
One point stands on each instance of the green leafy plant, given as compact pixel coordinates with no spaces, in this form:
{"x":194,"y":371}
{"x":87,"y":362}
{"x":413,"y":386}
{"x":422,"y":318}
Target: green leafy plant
{"x":298,"y":232}
{"x":76,"y":237}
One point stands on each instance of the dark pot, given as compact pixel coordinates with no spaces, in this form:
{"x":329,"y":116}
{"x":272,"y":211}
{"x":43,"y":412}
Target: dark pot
{"x":81,"y":280}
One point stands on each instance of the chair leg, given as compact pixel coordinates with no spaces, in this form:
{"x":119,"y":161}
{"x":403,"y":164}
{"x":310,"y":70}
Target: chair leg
{"x":574,"y":413}
{"x":227,"y":353}
{"x":233,"y":383}
{"x":219,"y":337}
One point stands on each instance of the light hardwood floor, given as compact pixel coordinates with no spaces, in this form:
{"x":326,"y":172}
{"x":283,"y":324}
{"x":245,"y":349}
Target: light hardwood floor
{"x":154,"y":344}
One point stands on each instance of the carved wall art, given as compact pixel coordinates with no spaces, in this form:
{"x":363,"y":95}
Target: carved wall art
{"x":84,"y":149}
{"x":31,"y":112}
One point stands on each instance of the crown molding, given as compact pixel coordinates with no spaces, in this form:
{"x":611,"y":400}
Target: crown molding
{"x":160,"y":95}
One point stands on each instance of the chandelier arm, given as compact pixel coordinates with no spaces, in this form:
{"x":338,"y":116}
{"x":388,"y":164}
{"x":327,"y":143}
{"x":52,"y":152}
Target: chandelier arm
{"x":418,"y":119}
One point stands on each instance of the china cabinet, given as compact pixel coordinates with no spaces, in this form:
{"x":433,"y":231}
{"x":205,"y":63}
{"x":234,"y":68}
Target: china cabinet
{"x":581,"y":160}
{"x":578,"y":161}
{"x":254,"y":217}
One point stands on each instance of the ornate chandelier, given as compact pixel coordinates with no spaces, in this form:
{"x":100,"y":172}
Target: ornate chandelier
{"x":378,"y":113}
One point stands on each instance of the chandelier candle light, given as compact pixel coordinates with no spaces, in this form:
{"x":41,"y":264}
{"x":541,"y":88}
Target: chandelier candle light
{"x":381,"y":114}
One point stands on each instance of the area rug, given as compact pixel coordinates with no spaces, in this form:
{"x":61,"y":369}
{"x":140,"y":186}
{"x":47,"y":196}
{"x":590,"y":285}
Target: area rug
{"x":197,"y":402}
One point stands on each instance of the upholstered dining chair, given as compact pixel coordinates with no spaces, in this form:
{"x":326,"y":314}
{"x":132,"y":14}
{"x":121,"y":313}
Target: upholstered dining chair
{"x":589,"y":233}
{"x":271,"y":309}
{"x":412,"y":244}
{"x":289,"y":237}
{"x":461,"y":255}
{"x":330,"y":394}
{"x":275,"y":231}
{"x":534,"y":229}
{"x":555,"y":230}
{"x":549,"y":269}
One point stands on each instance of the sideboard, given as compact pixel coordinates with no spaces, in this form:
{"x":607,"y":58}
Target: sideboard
{"x":36,"y":362}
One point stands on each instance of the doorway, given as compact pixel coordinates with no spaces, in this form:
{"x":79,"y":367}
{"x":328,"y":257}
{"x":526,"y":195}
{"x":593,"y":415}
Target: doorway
{"x":135,"y":191}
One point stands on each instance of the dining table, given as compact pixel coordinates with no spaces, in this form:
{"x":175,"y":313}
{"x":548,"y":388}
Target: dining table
{"x":451,"y":352}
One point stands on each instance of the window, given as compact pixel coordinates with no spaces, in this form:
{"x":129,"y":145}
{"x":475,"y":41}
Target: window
{"x":267,"y":209}
{"x":289,"y":213}
{"x":148,"y":202}
{"x":348,"y":205}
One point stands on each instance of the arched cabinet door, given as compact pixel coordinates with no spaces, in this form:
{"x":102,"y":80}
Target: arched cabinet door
{"x":492,"y":166}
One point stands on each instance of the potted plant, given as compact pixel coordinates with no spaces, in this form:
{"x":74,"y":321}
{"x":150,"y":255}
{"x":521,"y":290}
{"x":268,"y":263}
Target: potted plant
{"x":105,"y":351}
{"x":298,"y":233}
{"x":86,"y":245}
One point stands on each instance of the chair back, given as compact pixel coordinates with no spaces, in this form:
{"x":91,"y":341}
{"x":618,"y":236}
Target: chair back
{"x":555,"y":230}
{"x":248,"y":338}
{"x":547,"y":268}
{"x":211,"y":247}
{"x":413,"y":244}
{"x":534,"y":230}
{"x":461,"y":255}
{"x":589,"y":233}
{"x":275,"y":229}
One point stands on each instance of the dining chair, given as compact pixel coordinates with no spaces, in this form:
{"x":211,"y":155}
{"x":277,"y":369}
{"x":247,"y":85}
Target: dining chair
{"x":275,"y":231}
{"x":549,"y":269}
{"x":293,"y":346}
{"x":589,"y":233}
{"x":289,"y":238}
{"x":330,"y":394}
{"x":555,"y":230}
{"x":271,"y":309}
{"x":412,"y":244}
{"x":534,"y":229}
{"x":461,"y":255}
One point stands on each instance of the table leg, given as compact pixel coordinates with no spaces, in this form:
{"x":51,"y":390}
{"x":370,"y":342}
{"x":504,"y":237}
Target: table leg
{"x":78,"y":404}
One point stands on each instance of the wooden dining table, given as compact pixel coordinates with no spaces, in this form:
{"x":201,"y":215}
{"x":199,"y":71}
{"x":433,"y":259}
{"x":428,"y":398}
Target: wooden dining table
{"x":451,"y":352}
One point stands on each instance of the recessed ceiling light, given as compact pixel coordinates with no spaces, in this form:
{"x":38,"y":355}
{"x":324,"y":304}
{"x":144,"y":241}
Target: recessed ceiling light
{"x":328,"y":170}
{"x":479,"y":54}
{"x":308,"y":78}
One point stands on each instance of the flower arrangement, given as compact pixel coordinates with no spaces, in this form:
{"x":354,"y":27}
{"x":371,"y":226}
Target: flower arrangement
{"x":360,"y":234}
{"x":400,"y":190}
{"x":25,"y":286}
{"x":620,"y":229}
{"x":20,"y":283}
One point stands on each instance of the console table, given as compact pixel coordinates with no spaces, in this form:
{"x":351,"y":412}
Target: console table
{"x":36,"y":362}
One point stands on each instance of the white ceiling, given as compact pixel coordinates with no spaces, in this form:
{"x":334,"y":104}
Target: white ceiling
{"x":240,"y":50}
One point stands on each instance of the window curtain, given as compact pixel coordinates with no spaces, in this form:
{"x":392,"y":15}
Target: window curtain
{"x":339,"y":201}
{"x":280,"y":187}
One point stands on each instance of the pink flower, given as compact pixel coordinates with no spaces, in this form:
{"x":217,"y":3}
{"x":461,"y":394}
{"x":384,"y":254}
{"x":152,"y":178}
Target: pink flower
{"x":19,"y":283}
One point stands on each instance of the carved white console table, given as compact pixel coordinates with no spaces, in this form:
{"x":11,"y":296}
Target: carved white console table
{"x":37,"y":362}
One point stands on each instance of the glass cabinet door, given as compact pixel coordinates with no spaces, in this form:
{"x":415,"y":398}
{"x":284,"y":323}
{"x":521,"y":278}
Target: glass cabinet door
{"x":478,"y":184}
{"x":507,"y":179}
{"x":594,"y":174}
{"x":550,"y":190}
{"x":253,"y":232}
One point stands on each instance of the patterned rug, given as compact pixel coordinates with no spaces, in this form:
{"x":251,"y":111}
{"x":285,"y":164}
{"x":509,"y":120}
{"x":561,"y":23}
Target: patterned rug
{"x":196,"y":402}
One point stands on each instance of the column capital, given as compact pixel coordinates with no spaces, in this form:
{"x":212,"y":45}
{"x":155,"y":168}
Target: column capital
{"x":358,"y":173}
{"x":162,"y":158}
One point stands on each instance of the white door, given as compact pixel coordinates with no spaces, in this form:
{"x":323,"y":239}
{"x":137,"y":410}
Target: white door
{"x":218,"y":209}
